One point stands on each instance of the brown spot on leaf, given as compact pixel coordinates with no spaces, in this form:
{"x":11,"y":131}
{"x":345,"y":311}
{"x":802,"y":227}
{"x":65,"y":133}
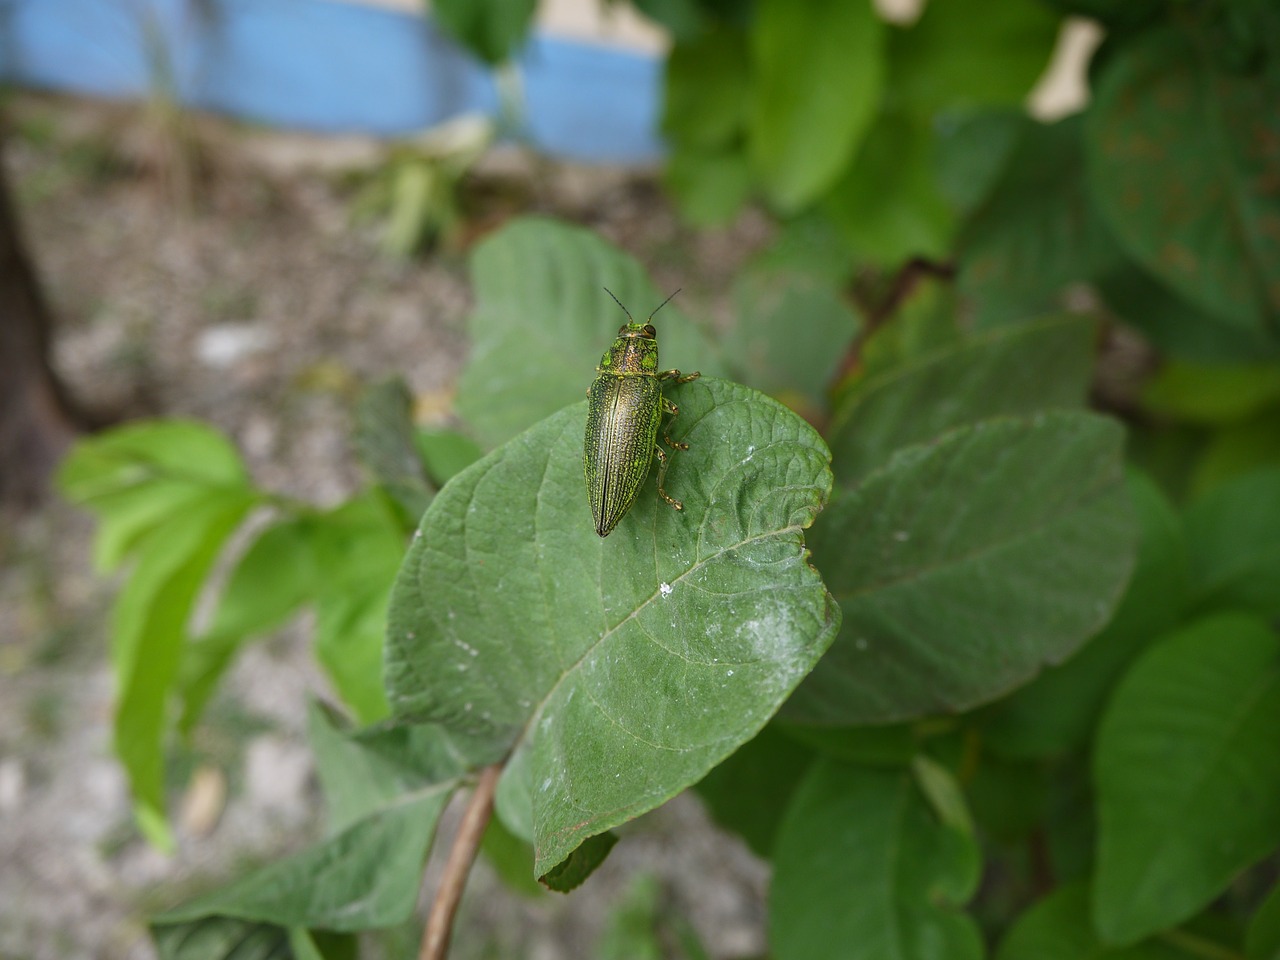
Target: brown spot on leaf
{"x":1178,"y":257}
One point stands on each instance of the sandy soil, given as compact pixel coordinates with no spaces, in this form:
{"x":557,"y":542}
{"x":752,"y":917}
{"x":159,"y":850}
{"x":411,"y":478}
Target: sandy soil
{"x":251,"y":301}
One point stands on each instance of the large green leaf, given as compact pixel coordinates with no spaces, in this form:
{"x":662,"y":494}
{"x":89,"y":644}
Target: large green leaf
{"x":791,"y":331}
{"x":887,"y":204}
{"x":975,"y":54}
{"x":619,"y":670}
{"x":1187,"y":767}
{"x":1018,"y":370}
{"x":1058,"y":710}
{"x":966,"y":564}
{"x":818,"y":71}
{"x":706,"y":90}
{"x":542,"y":319}
{"x":1180,"y":158}
{"x":863,"y":869}
{"x":1234,"y":537}
{"x":1036,"y":232}
{"x":1059,"y":928}
{"x":491,"y":29}
{"x":748,"y":792}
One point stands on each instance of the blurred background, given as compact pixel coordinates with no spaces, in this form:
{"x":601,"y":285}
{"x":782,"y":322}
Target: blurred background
{"x":245,"y":212}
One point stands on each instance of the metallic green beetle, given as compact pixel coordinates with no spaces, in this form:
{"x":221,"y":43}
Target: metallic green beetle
{"x":624,"y":408}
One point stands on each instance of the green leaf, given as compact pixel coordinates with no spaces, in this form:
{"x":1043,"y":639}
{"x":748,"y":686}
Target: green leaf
{"x":1059,"y":928}
{"x":1187,"y":767}
{"x":511,"y":857}
{"x":1036,"y":232}
{"x":924,"y":323}
{"x":887,"y":204}
{"x":882,"y":746}
{"x":791,"y":332}
{"x":1009,"y":800}
{"x":862,"y":866}
{"x":386,"y":440}
{"x":491,"y":29}
{"x":709,"y":187}
{"x":1234,"y":538}
{"x":644,"y":926}
{"x":1263,"y":939}
{"x":1018,"y":370}
{"x":138,"y":476}
{"x":818,"y":68}
{"x":274,"y":577}
{"x":705,"y":96}
{"x":971,"y":153}
{"x":620,"y":670}
{"x":419,"y":203}
{"x":748,"y":792}
{"x":1180,"y":154}
{"x":571,"y":872}
{"x":359,"y":546}
{"x":966,"y":564}
{"x":366,"y":876}
{"x":1174,"y":324}
{"x":1238,"y":449}
{"x":149,"y":628}
{"x":445,"y":453}
{"x":542,"y":319}
{"x":1212,"y":393}
{"x":220,"y":938}
{"x":1057,"y":711}
{"x":685,"y":19}
{"x":943,"y":792}
{"x":976,"y":54}
{"x":363,"y":771}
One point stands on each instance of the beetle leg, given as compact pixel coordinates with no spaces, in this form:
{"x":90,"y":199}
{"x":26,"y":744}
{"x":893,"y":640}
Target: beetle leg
{"x":672,"y":409}
{"x":662,"y":472}
{"x":675,"y":375}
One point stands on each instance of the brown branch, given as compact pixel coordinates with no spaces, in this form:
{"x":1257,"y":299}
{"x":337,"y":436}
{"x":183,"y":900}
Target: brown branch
{"x":903,"y":284}
{"x":435,"y":938}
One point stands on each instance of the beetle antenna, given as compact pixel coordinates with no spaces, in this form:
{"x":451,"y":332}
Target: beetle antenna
{"x":619,"y":303}
{"x":664,"y":303}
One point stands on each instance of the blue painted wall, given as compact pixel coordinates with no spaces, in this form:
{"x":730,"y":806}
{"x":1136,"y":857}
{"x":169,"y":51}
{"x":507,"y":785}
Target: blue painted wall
{"x":328,"y":66}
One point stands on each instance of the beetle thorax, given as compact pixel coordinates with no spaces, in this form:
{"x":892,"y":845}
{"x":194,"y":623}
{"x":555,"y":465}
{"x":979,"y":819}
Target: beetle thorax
{"x":633,"y":353}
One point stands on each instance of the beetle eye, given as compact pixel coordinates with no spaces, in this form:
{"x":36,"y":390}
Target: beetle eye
{"x":622,"y":330}
{"x":649,"y":331}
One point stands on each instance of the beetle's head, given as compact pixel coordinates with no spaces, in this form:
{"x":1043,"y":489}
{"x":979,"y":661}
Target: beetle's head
{"x":631,"y":329}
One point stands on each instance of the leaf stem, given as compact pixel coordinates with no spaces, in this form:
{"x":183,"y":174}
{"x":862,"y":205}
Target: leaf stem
{"x":435,"y":938}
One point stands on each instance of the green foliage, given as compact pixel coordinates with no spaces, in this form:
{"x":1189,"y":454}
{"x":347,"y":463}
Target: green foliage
{"x":817,"y":71}
{"x":861,"y":859}
{"x":1030,"y":670}
{"x":491,"y":29}
{"x":1189,"y":734}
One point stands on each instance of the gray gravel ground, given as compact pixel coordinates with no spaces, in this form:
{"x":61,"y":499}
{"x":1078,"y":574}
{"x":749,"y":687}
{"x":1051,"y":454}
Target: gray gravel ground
{"x":261,"y":309}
